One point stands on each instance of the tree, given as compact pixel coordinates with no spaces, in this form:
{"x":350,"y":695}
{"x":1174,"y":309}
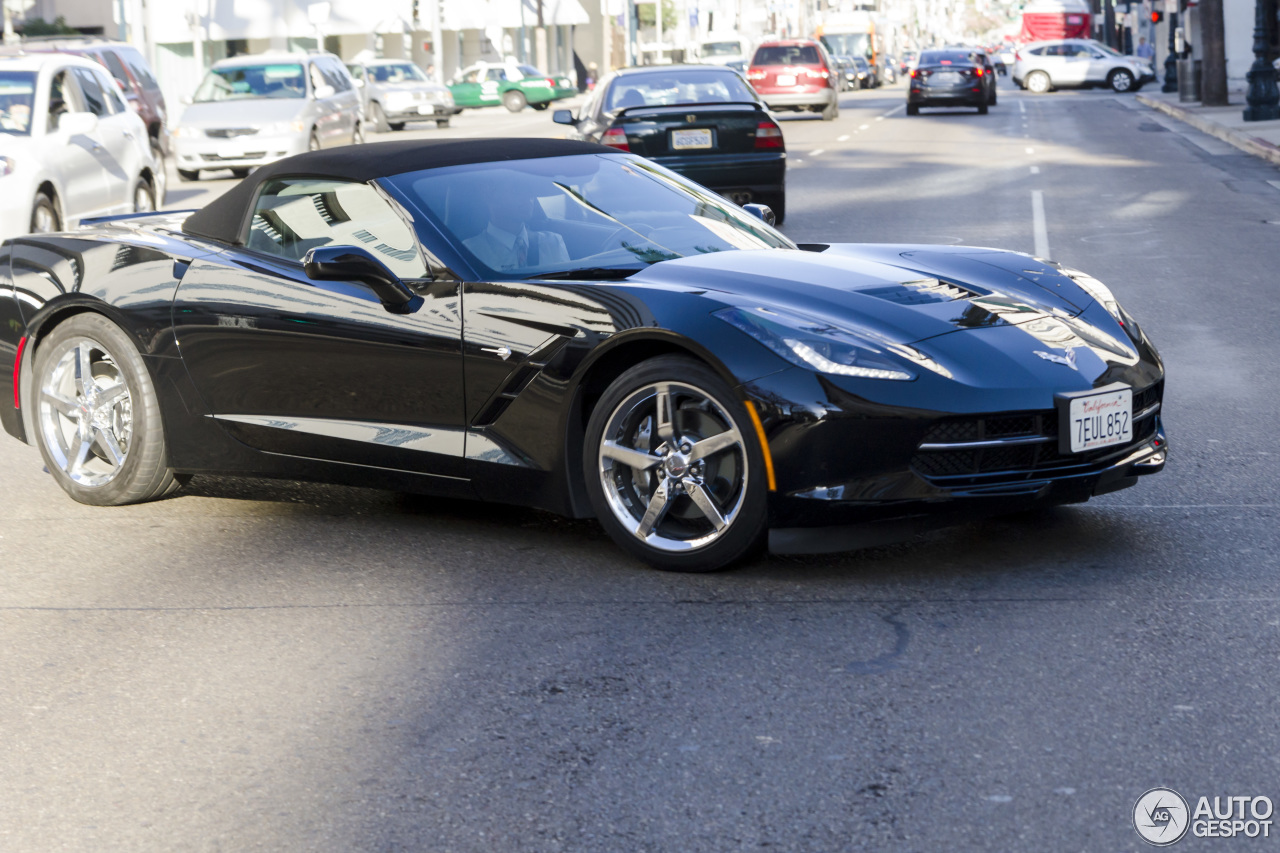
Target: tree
{"x":645,"y":15}
{"x":41,"y":27}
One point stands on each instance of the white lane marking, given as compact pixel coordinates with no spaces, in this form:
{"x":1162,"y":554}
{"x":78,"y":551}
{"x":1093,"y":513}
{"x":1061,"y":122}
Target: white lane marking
{"x":794,"y":162}
{"x":863,"y":126}
{"x":1275,"y":184}
{"x":1038,"y":226}
{"x":815,"y":152}
{"x":1035,"y":170}
{"x":1022,"y":105}
{"x":1031,"y":150}
{"x":844,"y":138}
{"x":879,"y":118}
{"x":895,"y":110}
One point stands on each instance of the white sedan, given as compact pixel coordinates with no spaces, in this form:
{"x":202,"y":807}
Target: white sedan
{"x":70,"y":148}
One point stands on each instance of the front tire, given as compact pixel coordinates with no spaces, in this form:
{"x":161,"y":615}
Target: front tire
{"x":313,"y":142}
{"x":188,"y":174}
{"x":98,"y":416}
{"x":442,"y":122}
{"x":144,"y":199}
{"x":673,"y":467}
{"x":1038,"y":83}
{"x":1120,"y":80}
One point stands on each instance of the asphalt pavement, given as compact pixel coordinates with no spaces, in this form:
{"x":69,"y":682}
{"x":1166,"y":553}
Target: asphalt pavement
{"x":282,"y":666}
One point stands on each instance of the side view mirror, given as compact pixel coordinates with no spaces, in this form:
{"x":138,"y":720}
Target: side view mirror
{"x":75,"y":124}
{"x":562,"y":117}
{"x":359,"y":83}
{"x":324,"y":92}
{"x":351,"y":263}
{"x":760,"y":211}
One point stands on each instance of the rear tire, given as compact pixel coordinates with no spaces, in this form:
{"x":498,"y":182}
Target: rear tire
{"x":102,"y":439}
{"x":831,"y":112}
{"x":160,"y":182}
{"x":399,"y":125}
{"x":44,"y":215}
{"x":313,"y":142}
{"x":982,"y":109}
{"x":241,"y":172}
{"x":660,"y":496}
{"x":442,"y":122}
{"x":144,"y":197}
{"x":188,"y":174}
{"x":380,"y":119}
{"x":1038,"y":83}
{"x":514,"y":101}
{"x":913,"y":109}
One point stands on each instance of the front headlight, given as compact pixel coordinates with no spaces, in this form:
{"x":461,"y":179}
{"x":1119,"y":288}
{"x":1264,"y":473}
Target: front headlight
{"x":186,"y":131}
{"x":284,"y":128}
{"x":1104,"y":297}
{"x":816,"y":345}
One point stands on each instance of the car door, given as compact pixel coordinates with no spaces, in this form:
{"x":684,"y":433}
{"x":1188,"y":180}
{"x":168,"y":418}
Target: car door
{"x":495,"y":83}
{"x":346,"y":97}
{"x":1075,"y":64}
{"x":73,"y":158}
{"x":120,"y":135}
{"x":324,"y":101}
{"x":323,"y":370}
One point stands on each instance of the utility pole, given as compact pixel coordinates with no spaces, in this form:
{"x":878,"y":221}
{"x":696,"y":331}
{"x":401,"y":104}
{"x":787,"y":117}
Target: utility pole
{"x":1213,"y":79}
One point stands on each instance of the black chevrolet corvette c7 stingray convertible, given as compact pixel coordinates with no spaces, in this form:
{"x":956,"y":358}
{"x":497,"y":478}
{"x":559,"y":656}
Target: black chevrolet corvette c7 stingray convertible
{"x":566,"y":326}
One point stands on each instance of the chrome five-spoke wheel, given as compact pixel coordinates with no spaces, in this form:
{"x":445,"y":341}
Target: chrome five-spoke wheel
{"x":97,"y":415}
{"x":672,"y":466}
{"x":86,"y":413}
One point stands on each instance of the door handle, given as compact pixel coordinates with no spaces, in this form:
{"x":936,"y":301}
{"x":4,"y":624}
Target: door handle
{"x":503,"y":353}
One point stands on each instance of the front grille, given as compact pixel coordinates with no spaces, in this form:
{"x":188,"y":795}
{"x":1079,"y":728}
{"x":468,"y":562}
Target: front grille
{"x":1014,"y":462}
{"x":229,"y":132}
{"x":249,"y":155}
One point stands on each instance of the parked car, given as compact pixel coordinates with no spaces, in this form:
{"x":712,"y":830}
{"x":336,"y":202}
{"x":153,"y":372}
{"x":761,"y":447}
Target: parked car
{"x":487,"y":84}
{"x":704,"y":122}
{"x":728,"y":49}
{"x":133,"y":75}
{"x":256,"y":109}
{"x":862,"y":75}
{"x":796,"y":74}
{"x":949,"y":77}
{"x":666,"y":363}
{"x":395,"y":91}
{"x":70,"y":148}
{"x":1042,"y":66}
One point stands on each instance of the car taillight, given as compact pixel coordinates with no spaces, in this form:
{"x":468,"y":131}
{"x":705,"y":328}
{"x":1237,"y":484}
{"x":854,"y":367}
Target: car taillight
{"x":809,"y":72}
{"x":551,"y":83}
{"x":977,"y":72}
{"x":914,"y":72}
{"x":768,"y":135}
{"x":756,"y":74}
{"x":615,"y":137}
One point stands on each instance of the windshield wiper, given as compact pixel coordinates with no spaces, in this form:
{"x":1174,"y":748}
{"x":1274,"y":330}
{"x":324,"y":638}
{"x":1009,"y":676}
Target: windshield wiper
{"x":603,"y":273}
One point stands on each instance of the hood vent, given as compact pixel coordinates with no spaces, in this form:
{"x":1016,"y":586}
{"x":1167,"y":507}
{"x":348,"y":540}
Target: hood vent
{"x":922,"y":292}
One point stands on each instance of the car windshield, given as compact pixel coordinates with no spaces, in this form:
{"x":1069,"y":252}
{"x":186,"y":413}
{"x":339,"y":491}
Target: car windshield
{"x":17,"y":92}
{"x":401,"y":72}
{"x":721,"y":48}
{"x":578,"y":214}
{"x":667,"y":87}
{"x":778,"y":54}
{"x":284,"y":80}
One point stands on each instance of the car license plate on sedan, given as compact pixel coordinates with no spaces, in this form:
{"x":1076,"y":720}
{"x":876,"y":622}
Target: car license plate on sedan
{"x":1100,"y":420}
{"x":231,"y":152}
{"x":426,"y":109}
{"x":785,"y":80}
{"x":683,"y":140}
{"x":945,"y":78}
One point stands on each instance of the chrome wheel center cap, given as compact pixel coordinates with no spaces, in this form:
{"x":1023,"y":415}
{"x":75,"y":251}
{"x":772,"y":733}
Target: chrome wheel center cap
{"x":677,"y":465}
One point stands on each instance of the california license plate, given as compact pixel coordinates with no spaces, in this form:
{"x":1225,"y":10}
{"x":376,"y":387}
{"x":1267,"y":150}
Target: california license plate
{"x":945,"y":78}
{"x":426,"y":109}
{"x":683,"y":140}
{"x":230,"y":152}
{"x":1100,"y":420}
{"x":785,"y":79}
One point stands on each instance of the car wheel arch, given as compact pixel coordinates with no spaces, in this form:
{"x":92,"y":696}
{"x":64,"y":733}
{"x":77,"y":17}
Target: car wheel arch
{"x":598,"y":371}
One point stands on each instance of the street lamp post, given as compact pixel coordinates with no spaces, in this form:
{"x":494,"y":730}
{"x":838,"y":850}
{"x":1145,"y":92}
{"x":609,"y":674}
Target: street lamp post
{"x":1263,"y":96}
{"x":1171,"y":59}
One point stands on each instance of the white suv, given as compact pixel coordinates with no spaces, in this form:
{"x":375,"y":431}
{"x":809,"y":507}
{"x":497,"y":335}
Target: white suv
{"x":70,"y":148}
{"x":1045,"y":65}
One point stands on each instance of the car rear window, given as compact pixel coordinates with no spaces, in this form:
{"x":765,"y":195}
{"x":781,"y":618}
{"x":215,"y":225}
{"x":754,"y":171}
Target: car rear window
{"x":777,"y":54}
{"x":664,"y":88}
{"x":945,"y":57}
{"x":138,"y":66}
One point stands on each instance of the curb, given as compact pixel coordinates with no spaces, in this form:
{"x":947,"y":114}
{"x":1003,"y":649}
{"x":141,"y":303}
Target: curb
{"x":1248,"y":144}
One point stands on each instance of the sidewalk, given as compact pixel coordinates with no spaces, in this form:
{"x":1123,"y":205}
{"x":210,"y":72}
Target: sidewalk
{"x":1259,"y":138}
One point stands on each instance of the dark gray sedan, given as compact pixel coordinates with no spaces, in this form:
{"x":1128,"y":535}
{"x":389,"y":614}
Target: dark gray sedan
{"x":396,"y":91}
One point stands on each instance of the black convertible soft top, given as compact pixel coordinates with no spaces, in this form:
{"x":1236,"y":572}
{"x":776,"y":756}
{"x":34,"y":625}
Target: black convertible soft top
{"x":223,"y":218}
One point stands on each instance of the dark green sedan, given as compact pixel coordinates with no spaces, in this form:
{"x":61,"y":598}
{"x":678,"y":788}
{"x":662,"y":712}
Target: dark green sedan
{"x":487,"y":84}
{"x":702,"y":121}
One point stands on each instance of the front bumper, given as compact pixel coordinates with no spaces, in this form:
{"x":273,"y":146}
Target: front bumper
{"x":242,"y":152}
{"x":415,"y":111}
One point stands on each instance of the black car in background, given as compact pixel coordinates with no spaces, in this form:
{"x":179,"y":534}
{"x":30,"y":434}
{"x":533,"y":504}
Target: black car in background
{"x":704,"y":122}
{"x":950,"y":78}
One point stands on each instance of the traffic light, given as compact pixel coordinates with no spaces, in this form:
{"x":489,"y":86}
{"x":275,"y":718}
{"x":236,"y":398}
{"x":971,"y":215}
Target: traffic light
{"x":1156,"y":16}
